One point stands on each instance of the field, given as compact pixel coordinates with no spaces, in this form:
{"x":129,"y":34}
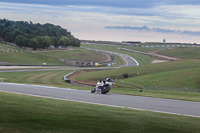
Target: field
{"x":5,"y":47}
{"x":27,"y":58}
{"x":47,"y":78}
{"x":24,"y":58}
{"x":161,"y":43}
{"x":179,"y":52}
{"x":75,"y":54}
{"x":21,"y":113}
{"x":185,"y":52}
{"x":144,"y":49}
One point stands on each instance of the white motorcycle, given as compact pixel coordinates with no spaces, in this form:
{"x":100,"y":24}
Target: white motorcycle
{"x":103,"y":86}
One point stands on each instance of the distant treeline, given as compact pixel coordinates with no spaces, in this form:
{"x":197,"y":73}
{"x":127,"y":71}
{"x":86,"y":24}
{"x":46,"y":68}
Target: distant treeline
{"x":27,"y":34}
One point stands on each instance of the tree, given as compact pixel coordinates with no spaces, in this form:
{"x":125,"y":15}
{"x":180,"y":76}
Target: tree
{"x":54,"y":41}
{"x":22,"y":41}
{"x":74,"y":42}
{"x":34,"y":44}
{"x":64,"y":41}
{"x":22,"y":33}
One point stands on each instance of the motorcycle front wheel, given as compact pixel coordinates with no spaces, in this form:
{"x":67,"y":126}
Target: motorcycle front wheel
{"x":93,"y":90}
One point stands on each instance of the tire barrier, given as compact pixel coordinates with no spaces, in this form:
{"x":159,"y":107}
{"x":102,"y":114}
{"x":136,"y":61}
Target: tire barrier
{"x":68,"y":80}
{"x":72,"y":82}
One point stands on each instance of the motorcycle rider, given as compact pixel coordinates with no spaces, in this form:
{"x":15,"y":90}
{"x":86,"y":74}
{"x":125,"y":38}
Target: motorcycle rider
{"x":103,"y":85}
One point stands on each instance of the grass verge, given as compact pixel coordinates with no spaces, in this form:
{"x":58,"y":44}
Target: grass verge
{"x":21,"y":113}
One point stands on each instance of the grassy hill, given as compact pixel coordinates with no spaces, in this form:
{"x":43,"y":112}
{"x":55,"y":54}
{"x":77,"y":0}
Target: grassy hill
{"x":75,"y":54}
{"x":145,"y":49}
{"x":180,"y":52}
{"x":185,"y":52}
{"x":11,"y":55}
{"x":142,"y":70}
{"x":5,"y":47}
{"x":27,"y":58}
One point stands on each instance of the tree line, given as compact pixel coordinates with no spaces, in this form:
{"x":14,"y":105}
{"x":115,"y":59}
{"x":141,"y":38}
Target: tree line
{"x":27,"y":34}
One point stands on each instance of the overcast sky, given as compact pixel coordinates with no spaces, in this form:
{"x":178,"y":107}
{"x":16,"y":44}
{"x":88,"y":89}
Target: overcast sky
{"x":113,"y":20}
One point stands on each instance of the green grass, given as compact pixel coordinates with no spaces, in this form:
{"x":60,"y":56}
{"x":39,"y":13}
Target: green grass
{"x":142,"y":70}
{"x":174,"y":78}
{"x":47,"y":78}
{"x":27,"y":58}
{"x":144,"y":49}
{"x":161,"y":43}
{"x":185,"y":52}
{"x":21,"y":113}
{"x":142,"y":59}
{"x":5,"y":47}
{"x":76,"y":54}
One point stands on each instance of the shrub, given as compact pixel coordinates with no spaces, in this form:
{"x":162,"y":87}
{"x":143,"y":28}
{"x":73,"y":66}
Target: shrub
{"x":125,"y":75}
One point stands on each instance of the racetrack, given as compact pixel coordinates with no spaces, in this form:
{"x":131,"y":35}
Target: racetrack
{"x":116,"y":100}
{"x":124,"y":101}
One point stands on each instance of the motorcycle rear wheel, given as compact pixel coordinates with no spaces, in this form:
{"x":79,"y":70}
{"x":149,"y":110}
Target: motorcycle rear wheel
{"x":105,"y":90}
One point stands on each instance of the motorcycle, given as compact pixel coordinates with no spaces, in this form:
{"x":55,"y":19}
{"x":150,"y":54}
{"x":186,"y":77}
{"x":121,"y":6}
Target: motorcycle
{"x":103,"y":86}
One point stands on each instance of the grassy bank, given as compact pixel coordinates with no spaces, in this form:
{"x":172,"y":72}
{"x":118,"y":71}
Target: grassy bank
{"x":154,"y":79}
{"x":141,"y":70}
{"x":75,"y":54}
{"x":185,"y":52}
{"x":27,"y":58}
{"x":11,"y":55}
{"x":5,"y":47}
{"x":47,"y":78}
{"x":30,"y":114}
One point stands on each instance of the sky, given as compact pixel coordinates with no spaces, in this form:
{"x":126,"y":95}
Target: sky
{"x":113,"y":20}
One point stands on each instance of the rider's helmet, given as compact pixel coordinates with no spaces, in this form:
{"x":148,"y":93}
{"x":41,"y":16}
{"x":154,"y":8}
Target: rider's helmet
{"x":109,"y":79}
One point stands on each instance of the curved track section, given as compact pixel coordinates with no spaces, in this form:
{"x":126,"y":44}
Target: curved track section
{"x":130,"y":61}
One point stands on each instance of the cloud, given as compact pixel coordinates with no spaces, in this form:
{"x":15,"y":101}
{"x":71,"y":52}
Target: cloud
{"x":159,"y":30}
{"x":110,"y":3}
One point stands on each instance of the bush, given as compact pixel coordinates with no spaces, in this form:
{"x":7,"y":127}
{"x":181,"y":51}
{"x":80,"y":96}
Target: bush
{"x":125,"y":75}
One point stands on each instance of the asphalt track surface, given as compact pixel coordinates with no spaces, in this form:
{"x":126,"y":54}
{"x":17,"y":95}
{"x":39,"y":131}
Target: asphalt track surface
{"x":178,"y":107}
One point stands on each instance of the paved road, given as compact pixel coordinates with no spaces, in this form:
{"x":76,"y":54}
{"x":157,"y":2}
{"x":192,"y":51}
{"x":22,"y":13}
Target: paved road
{"x":125,"y":101}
